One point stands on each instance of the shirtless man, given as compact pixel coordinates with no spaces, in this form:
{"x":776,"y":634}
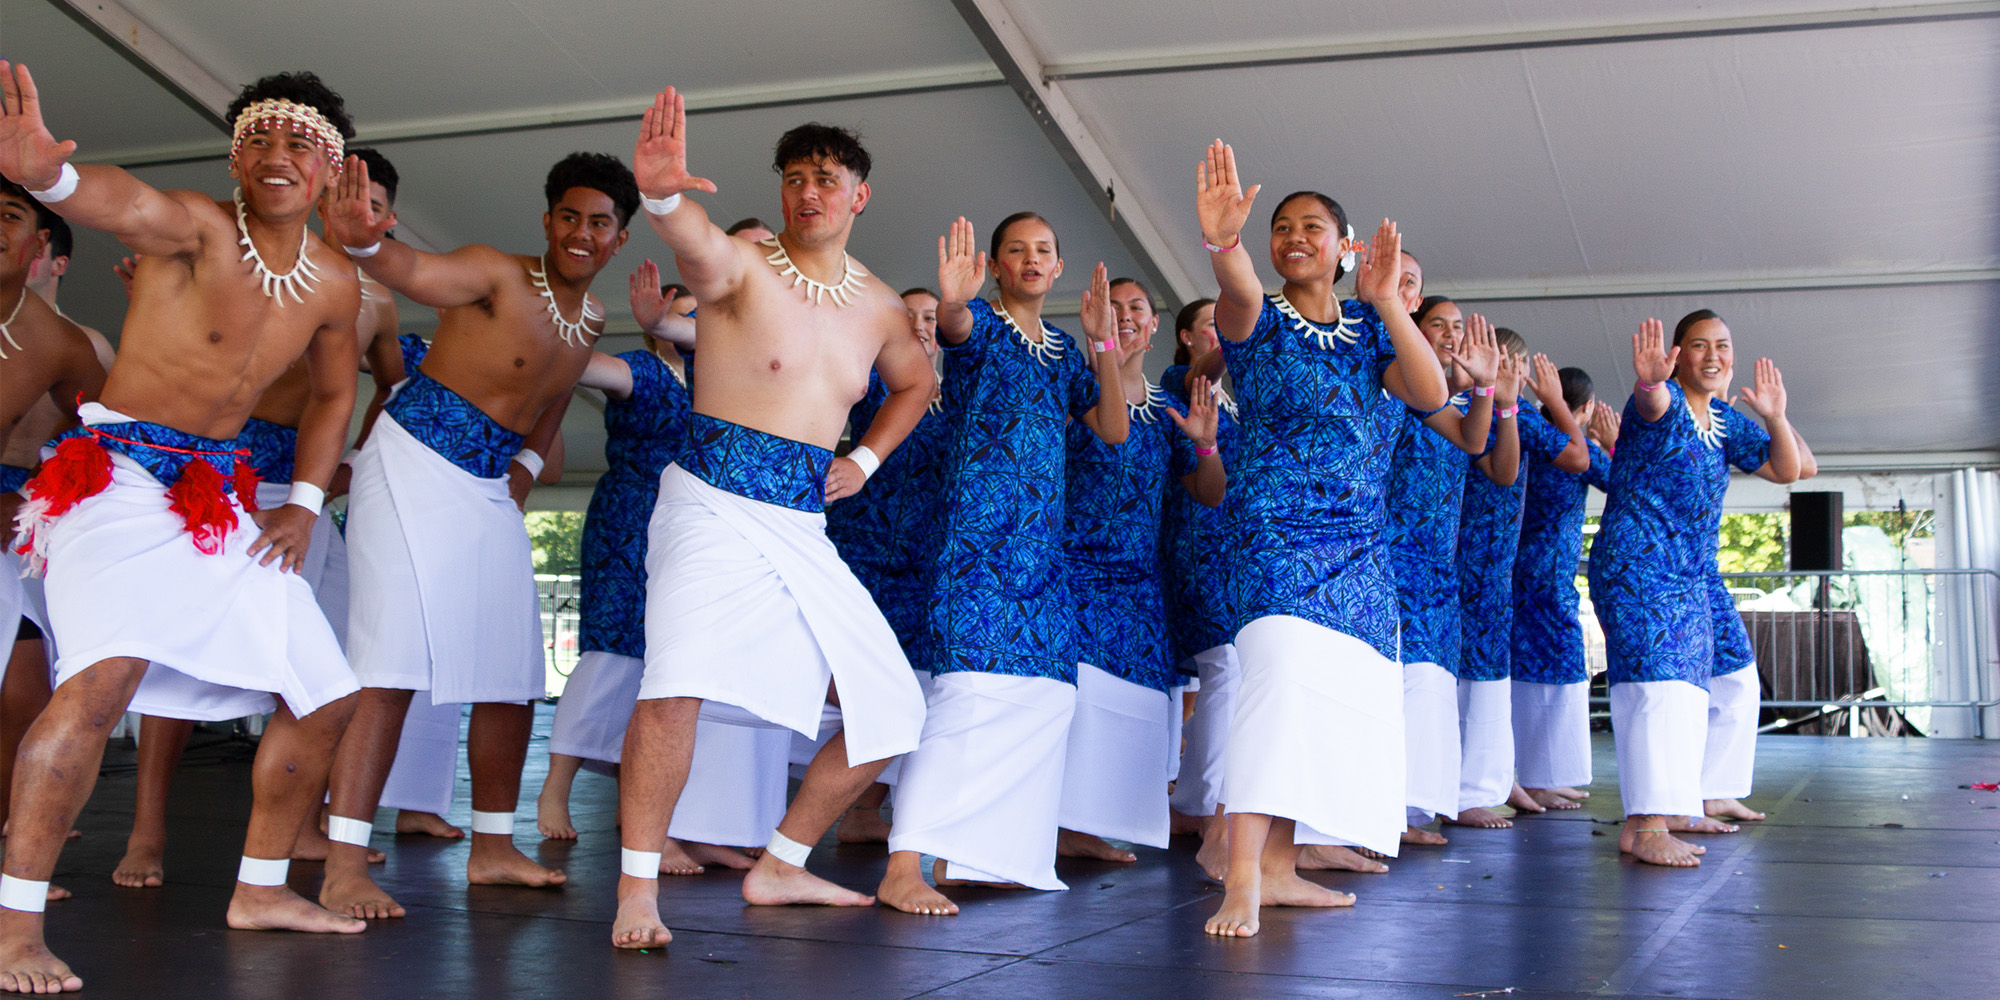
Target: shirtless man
{"x":444,"y":597}
{"x":789,"y":330}
{"x":186,"y":586}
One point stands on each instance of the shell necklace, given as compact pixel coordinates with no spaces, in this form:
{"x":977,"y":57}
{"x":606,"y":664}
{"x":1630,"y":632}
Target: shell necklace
{"x":1045,"y":350}
{"x":1147,"y":410}
{"x":1342,"y":330}
{"x":301,"y":277}
{"x":6,"y":335}
{"x":575,"y":334}
{"x":841,"y":293}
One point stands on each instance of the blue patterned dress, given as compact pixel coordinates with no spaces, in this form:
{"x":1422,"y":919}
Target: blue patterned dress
{"x":887,"y":532}
{"x":1198,"y":537}
{"x":643,"y":435}
{"x":1548,"y":635}
{"x":1308,"y":485}
{"x":1652,"y":566}
{"x":1489,"y":533}
{"x":1000,"y":601}
{"x":1113,"y":543}
{"x":1426,"y":491}
{"x":414,"y":349}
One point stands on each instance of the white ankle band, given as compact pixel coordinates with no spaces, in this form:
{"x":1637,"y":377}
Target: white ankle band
{"x":263,"y":871}
{"x":342,"y":830}
{"x":639,"y":864}
{"x":499,"y":824}
{"x":788,"y":850}
{"x":22,"y":894}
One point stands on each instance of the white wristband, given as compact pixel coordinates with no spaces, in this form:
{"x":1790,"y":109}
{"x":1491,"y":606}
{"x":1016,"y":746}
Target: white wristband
{"x":308,"y":496}
{"x":639,"y":864}
{"x":661,"y":206}
{"x":531,"y":462}
{"x":25,"y":895}
{"x":64,"y":186}
{"x":263,"y":871}
{"x":368,"y":251}
{"x":864,"y":456}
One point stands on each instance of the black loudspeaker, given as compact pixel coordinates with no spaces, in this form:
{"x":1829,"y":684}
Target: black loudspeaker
{"x":1816,"y":523}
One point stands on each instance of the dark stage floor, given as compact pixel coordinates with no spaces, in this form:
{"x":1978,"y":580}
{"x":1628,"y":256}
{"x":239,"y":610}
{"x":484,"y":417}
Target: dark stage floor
{"x":1877,"y":876}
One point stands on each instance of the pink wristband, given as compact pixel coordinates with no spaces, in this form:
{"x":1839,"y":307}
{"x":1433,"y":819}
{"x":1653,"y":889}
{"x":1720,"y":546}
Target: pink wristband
{"x":1482,"y":390}
{"x":1655,"y":387}
{"x":1212,"y":248}
{"x":1101,"y":346}
{"x":1507,"y":412}
{"x":1204,"y":452}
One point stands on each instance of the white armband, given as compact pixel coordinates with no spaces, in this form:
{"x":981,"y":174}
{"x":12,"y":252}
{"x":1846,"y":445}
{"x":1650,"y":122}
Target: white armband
{"x":368,"y":251}
{"x":530,"y":461}
{"x":661,"y":206}
{"x":65,"y":185}
{"x":308,"y":496}
{"x":864,"y":457}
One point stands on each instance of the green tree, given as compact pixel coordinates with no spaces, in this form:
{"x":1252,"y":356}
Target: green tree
{"x":1752,"y":543}
{"x":557,"y":536}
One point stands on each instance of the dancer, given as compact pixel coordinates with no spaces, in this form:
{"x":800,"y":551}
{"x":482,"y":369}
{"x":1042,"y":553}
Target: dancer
{"x":1489,"y":531}
{"x":212,"y":324}
{"x":747,"y":601}
{"x":1551,"y":681}
{"x":1426,"y":489}
{"x":444,"y":594}
{"x":1650,"y":565}
{"x":982,"y":792}
{"x":1314,"y":606}
{"x":1125,"y":732}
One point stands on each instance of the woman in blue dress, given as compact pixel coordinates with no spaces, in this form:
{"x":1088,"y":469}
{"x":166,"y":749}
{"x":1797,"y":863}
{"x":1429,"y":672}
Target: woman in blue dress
{"x":1551,"y":681}
{"x":981,"y":791}
{"x":1652,"y":563}
{"x":1315,"y":746}
{"x":1126,"y":729}
{"x":1426,"y":487}
{"x":1489,"y":532}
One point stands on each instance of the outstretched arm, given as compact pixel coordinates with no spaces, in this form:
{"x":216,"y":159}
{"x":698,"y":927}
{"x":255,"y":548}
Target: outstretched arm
{"x":1415,"y":377}
{"x":649,"y":309}
{"x":906,"y":374}
{"x":1209,"y":482}
{"x":608,"y":374}
{"x":710,"y":262}
{"x":1223,"y":207}
{"x":142,"y":217}
{"x":1575,"y":456}
{"x":961,"y":273}
{"x":1767,"y":398}
{"x":1110,"y":420}
{"x":439,"y":280}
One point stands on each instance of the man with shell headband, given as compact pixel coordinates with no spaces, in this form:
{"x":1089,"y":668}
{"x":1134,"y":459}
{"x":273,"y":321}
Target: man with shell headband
{"x":168,"y":592}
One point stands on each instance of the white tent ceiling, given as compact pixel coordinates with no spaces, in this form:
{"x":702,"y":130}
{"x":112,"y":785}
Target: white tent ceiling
{"x":1823,"y":176}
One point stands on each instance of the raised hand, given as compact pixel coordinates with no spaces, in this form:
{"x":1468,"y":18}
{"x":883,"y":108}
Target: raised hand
{"x":961,"y":264}
{"x":1547,"y":382}
{"x":1603,"y":424}
{"x":1478,"y":352}
{"x":1767,"y":395}
{"x":1380,"y":269}
{"x":1652,"y":361}
{"x":1200,"y":423}
{"x":1507,"y":383}
{"x":124,"y":269}
{"x":1099,"y":322}
{"x":659,"y":161}
{"x":1220,"y":201}
{"x":351,"y":218}
{"x":29,"y":155}
{"x":648,"y":302}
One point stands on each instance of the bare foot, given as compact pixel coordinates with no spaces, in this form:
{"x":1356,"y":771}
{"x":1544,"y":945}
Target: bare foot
{"x":716,"y":854}
{"x":1421,"y":837}
{"x":1731,"y":809}
{"x":140,"y":868}
{"x":1213,"y":857}
{"x":775,"y":883}
{"x":1485,"y":819}
{"x":638,"y":922}
{"x":1571,"y":793}
{"x":1181,"y":824}
{"x":1071,"y":844}
{"x":29,"y":967}
{"x":278,"y":908}
{"x":1524,"y":802}
{"x":1550,"y":798}
{"x":426,"y":825}
{"x":862,"y":825}
{"x":1288,"y":889}
{"x":1329,"y":858}
{"x":1655,"y":846}
{"x":552,"y":816}
{"x":1237,"y":917}
{"x":358,"y":896}
{"x":496,"y":861}
{"x":903,"y":888}
{"x":1689,"y":824}
{"x":312,"y":845}
{"x":937,"y":875}
{"x":674,"y":860}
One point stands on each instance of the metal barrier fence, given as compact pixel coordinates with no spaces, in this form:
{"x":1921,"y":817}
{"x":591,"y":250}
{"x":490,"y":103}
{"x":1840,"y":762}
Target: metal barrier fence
{"x":1868,"y":652}
{"x":562,"y":605}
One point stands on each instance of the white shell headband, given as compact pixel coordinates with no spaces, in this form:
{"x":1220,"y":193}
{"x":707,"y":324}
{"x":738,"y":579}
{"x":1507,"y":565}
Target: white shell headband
{"x":299,"y":118}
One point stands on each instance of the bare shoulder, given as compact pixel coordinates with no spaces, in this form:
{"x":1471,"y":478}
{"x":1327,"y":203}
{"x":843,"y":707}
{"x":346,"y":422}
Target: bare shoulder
{"x":884,"y":306}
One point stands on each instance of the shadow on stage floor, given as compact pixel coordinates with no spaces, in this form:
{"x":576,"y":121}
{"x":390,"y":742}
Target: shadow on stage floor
{"x":1876,"y":876}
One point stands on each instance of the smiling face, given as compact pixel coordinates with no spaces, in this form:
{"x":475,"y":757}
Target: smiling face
{"x":821,"y":199}
{"x":282,"y":172}
{"x":1444,"y":327}
{"x":583,"y":233}
{"x":1133,"y":309}
{"x":1201,"y":338}
{"x":1305,"y":243}
{"x":923,"y":307}
{"x":1027,"y":265}
{"x":20,"y":240}
{"x":1708,"y":358}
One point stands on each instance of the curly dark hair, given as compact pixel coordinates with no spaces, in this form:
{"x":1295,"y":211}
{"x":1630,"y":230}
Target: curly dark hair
{"x":380,"y":170}
{"x":813,"y":142}
{"x":600,"y":172}
{"x":301,"y":88}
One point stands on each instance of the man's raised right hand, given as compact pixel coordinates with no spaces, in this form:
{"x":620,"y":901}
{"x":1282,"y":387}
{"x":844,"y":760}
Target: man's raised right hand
{"x":29,"y":155}
{"x":659,"y":161}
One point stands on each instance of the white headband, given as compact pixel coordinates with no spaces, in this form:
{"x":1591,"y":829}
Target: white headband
{"x":299,"y":118}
